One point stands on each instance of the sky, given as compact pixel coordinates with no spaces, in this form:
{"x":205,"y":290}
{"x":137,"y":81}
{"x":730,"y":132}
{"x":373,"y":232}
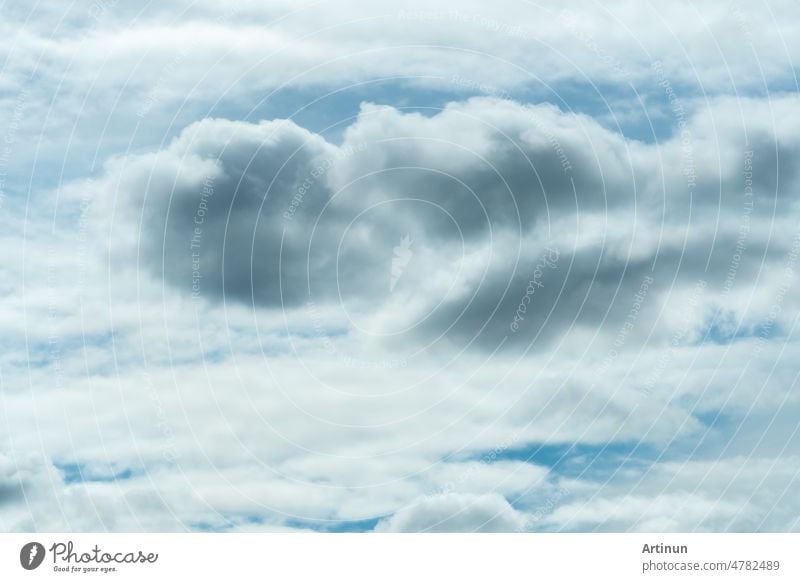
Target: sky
{"x":350,"y":267}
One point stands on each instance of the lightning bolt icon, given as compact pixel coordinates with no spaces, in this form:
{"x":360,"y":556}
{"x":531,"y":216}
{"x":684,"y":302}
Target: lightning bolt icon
{"x":34,"y":551}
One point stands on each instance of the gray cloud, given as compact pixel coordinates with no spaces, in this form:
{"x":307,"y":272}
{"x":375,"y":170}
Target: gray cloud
{"x":274,"y":216}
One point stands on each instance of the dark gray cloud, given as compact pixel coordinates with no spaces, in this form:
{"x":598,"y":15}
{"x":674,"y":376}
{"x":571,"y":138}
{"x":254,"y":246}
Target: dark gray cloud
{"x":275,"y":216}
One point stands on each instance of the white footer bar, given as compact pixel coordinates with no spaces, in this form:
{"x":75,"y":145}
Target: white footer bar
{"x":401,"y":557}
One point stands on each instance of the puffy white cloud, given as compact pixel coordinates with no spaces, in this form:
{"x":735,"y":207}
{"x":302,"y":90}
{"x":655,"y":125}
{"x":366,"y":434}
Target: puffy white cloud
{"x":454,"y":512}
{"x":733,"y":494}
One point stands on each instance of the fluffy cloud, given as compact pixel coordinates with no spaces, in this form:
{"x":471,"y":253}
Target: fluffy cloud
{"x":464,"y":513}
{"x":524,"y":223}
{"x":736,"y":494}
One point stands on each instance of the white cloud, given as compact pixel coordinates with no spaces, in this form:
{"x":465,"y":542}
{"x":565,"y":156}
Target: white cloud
{"x":454,"y":512}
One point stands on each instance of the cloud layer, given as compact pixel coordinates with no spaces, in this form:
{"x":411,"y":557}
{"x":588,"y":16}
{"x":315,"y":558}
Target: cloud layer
{"x":352,"y":268}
